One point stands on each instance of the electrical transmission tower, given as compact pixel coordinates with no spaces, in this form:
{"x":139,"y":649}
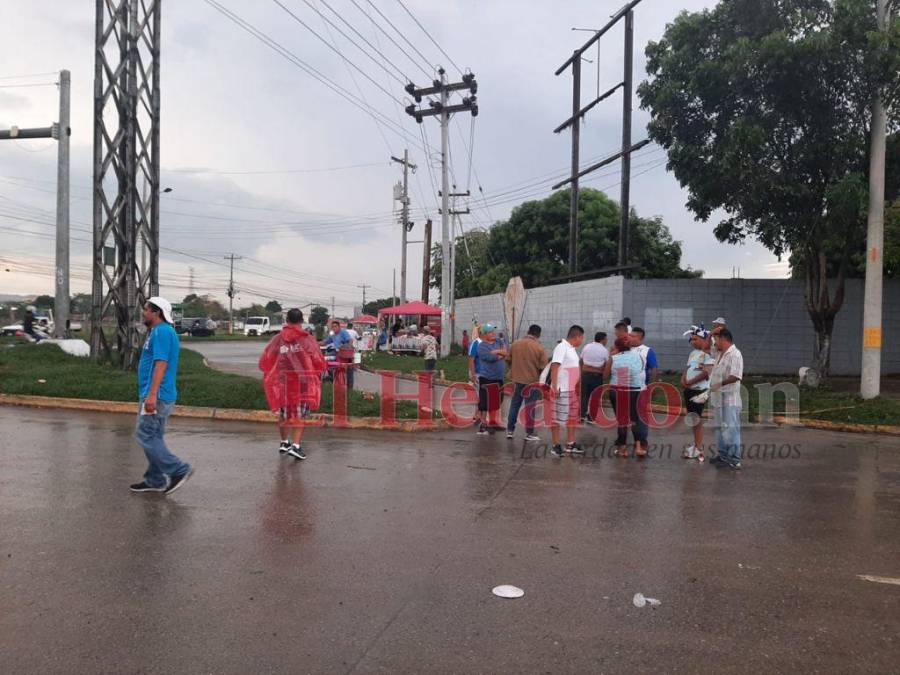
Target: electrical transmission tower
{"x":443,"y":109}
{"x":574,"y":121}
{"x":126,"y":156}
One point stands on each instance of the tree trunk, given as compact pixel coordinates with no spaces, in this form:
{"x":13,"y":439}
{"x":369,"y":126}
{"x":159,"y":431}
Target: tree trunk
{"x":821,"y":307}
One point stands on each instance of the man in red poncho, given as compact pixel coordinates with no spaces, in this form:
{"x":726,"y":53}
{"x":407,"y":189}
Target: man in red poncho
{"x":292,"y":367}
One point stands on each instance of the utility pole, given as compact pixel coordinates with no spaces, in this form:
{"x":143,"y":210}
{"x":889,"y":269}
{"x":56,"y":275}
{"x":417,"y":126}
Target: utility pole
{"x":405,"y":225}
{"x":426,"y":261}
{"x":444,"y":110}
{"x":332,"y":308}
{"x":364,"y":287}
{"x":625,"y":195}
{"x":454,"y":213}
{"x":576,"y":139}
{"x":574,"y":121}
{"x":231,"y":257}
{"x":394,"y":289}
{"x":191,"y":281}
{"x":61,"y":132}
{"x":61,"y":297}
{"x":870,"y":382}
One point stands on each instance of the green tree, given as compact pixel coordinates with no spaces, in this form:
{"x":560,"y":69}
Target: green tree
{"x":194,"y":306}
{"x":534,"y":244}
{"x":273,"y":307}
{"x":81,"y":303}
{"x":318,"y":315}
{"x":764,"y":109}
{"x":43,"y":302}
{"x":373,"y":306}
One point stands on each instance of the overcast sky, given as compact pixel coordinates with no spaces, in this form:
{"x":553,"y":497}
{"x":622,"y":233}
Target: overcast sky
{"x":231,"y":104}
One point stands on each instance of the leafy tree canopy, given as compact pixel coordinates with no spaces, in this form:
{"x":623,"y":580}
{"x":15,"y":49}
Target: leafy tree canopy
{"x":764,"y":107}
{"x":534,"y":244}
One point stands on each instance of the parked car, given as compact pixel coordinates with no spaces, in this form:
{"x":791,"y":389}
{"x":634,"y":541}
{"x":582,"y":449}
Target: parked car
{"x":203,"y":328}
{"x":262,"y":325}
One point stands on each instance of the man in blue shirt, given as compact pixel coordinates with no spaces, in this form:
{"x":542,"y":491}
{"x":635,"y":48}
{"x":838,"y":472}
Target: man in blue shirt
{"x":492,"y":365}
{"x":157,"y":393}
{"x":341,"y":338}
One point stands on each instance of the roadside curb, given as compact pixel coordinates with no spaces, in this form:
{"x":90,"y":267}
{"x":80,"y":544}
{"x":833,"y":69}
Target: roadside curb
{"x":226,"y":414}
{"x":845,"y":427}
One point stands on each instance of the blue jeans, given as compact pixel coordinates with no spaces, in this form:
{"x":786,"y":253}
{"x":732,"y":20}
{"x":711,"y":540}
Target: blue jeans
{"x":534,"y":395}
{"x":149,"y":433}
{"x":728,"y":431}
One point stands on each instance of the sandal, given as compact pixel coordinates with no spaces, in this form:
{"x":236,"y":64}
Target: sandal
{"x":640,"y":450}
{"x":621,"y":451}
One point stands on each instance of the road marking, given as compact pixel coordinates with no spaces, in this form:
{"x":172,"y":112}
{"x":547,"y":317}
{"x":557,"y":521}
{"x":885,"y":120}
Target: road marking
{"x":879,"y":580}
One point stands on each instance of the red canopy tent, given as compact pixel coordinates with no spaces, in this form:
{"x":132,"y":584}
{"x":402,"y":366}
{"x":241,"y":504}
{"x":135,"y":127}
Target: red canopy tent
{"x":365,"y":318}
{"x":417,"y":307}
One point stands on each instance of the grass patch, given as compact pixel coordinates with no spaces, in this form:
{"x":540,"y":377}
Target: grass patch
{"x":822,"y":403}
{"x":23,"y":365}
{"x":455,"y":366}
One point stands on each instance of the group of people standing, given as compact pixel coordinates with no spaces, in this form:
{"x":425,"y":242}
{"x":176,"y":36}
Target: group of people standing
{"x":714,"y":369}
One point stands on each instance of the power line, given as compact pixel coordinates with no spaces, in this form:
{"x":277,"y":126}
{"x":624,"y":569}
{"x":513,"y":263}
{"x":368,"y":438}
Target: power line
{"x":308,"y":69}
{"x":388,"y":36}
{"x":338,"y":51}
{"x":24,"y":77}
{"x":266,"y":172}
{"x":405,"y":39}
{"x":418,"y":23}
{"x":351,"y":27}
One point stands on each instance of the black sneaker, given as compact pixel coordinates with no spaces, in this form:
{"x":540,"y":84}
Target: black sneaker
{"x":177,"y":481}
{"x":296,"y":452}
{"x":143,"y":487}
{"x":557,"y":451}
{"x":509,"y":434}
{"x":732,"y":463}
{"x":284,"y":447}
{"x":718,"y":460}
{"x":574,"y":448}
{"x":482,"y":430}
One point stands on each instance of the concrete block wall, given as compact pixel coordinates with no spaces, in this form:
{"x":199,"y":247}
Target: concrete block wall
{"x":595,"y":305}
{"x":767,"y":316}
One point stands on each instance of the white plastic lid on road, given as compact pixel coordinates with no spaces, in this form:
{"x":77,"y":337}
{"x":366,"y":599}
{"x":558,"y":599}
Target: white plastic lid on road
{"x":507,"y":591}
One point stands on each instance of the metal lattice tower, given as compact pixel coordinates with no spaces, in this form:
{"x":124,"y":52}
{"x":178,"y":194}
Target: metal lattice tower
{"x":126,"y":172}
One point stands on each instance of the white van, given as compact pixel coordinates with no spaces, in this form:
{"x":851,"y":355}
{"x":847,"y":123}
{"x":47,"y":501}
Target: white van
{"x":261,"y":325}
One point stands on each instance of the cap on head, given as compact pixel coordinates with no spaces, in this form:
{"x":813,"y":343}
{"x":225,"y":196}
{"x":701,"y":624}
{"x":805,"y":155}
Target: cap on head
{"x":488,"y":328}
{"x":164,"y":306}
{"x":720,"y":321}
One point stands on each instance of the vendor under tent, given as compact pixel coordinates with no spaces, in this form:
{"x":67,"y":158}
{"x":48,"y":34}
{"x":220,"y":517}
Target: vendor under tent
{"x":422,"y":312}
{"x":366,"y":326}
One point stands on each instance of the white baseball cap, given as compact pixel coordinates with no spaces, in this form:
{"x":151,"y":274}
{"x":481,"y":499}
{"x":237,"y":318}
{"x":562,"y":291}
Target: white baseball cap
{"x":720,"y":321}
{"x":164,"y":305}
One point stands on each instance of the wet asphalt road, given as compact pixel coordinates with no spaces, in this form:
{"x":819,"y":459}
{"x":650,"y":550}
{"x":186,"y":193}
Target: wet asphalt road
{"x":378,"y":554}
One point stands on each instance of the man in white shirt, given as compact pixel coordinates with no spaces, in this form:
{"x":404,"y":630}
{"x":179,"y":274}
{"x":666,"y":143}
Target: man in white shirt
{"x":565,"y":384}
{"x":725,"y":396}
{"x":593,"y":357}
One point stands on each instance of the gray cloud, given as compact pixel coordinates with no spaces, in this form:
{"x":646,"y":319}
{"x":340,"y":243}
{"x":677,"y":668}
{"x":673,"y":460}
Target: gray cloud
{"x":230,"y":103}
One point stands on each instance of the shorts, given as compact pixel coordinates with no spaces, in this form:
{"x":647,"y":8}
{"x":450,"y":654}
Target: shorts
{"x":485,"y":400}
{"x":299,"y":411}
{"x":430,"y":364}
{"x":696,"y":408}
{"x":562,"y":406}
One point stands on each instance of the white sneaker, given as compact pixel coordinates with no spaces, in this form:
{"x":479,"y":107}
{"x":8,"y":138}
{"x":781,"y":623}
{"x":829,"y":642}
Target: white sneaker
{"x":691,"y":452}
{"x":532,"y":437}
